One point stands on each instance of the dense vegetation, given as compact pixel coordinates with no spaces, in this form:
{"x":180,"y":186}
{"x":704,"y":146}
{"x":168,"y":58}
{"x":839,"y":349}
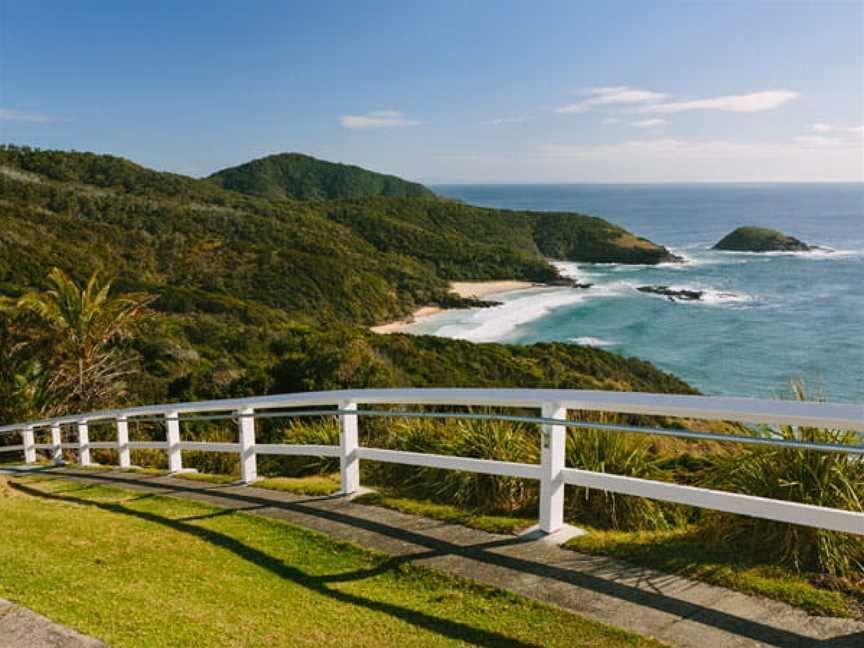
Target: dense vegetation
{"x":293,"y":175}
{"x":237,"y":279}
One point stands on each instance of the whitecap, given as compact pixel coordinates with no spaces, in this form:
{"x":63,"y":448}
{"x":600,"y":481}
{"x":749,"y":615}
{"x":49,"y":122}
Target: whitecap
{"x":496,"y":323}
{"x":710,"y":296}
{"x":591,"y":341}
{"x":818,"y":252}
{"x":573,"y":270}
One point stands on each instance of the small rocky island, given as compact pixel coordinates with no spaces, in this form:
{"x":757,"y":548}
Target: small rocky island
{"x":672,"y":294}
{"x":761,"y":239}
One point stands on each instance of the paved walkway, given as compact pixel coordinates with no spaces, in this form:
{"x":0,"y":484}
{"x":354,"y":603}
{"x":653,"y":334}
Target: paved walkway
{"x":23,"y":628}
{"x":675,"y":610}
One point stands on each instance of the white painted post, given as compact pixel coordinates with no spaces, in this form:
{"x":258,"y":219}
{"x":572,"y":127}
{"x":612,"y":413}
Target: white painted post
{"x":123,"y":442}
{"x":172,"y":435}
{"x":56,"y":445}
{"x":349,"y":463}
{"x":83,"y":443}
{"x":29,"y":444}
{"x":552,"y":458}
{"x":246,"y":427}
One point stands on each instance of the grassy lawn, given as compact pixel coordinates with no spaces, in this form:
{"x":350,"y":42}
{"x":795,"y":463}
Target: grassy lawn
{"x":146,"y":570}
{"x":204,"y":477}
{"x":311,"y":485}
{"x":682,"y":552}
{"x":448,"y":513}
{"x":319,"y":485}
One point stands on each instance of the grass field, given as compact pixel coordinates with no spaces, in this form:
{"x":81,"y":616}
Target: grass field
{"x":677,"y":551}
{"x":145,"y":570}
{"x":506,"y":524}
{"x":682,"y":551}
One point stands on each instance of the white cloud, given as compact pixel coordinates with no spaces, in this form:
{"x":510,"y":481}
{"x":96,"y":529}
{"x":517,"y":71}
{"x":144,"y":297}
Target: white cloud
{"x":15,"y":115}
{"x":673,"y":149}
{"x":753,"y":102}
{"x":611,"y":120}
{"x":506,"y":120}
{"x":377,"y":119}
{"x":832,"y":137}
{"x":816,"y":140}
{"x":604,"y":90}
{"x":820,"y":141}
{"x":648,"y":123}
{"x":658,"y":148}
{"x":610,"y":95}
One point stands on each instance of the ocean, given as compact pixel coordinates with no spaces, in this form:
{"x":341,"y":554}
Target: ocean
{"x":765,"y":318}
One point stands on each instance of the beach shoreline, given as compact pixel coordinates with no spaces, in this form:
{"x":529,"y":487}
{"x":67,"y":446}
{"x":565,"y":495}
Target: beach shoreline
{"x":465,"y":289}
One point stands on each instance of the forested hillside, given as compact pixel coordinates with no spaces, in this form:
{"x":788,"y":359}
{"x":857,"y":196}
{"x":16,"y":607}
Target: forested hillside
{"x":237,"y":278}
{"x":293,"y":175}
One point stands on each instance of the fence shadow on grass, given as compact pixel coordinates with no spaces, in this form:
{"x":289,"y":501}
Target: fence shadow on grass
{"x":250,"y":499}
{"x":319,"y":584}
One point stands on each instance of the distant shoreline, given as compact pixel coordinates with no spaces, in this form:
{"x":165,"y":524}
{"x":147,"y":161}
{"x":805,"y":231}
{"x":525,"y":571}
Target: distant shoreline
{"x":465,"y":289}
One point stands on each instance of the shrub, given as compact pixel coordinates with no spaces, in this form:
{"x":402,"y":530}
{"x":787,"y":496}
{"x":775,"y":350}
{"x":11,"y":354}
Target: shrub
{"x":829,"y":479}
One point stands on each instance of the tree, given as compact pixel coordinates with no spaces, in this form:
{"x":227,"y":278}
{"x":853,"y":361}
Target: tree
{"x":81,"y":332}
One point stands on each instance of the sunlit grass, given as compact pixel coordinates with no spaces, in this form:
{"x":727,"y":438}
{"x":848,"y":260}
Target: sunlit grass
{"x":492,"y":523}
{"x":684,"y":552}
{"x":141,"y":570}
{"x":311,"y":485}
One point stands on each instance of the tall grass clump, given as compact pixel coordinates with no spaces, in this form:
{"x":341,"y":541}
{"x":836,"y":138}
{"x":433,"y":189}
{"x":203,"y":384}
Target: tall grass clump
{"x":829,"y":479}
{"x":480,"y":439}
{"x":214,"y":463}
{"x":618,"y":453}
{"x":305,"y":431}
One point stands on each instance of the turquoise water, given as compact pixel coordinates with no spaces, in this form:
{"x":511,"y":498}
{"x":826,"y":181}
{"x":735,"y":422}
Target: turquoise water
{"x":766,"y":318}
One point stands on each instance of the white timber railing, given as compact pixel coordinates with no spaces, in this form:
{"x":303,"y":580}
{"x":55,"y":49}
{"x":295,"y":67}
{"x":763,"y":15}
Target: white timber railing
{"x":551,"y":404}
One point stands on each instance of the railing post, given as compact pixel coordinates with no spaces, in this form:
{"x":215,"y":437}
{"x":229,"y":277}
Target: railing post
{"x":349,"y":463}
{"x":29,"y":442}
{"x":246,"y":427}
{"x":56,"y":445}
{"x":552,"y":458}
{"x":172,"y":435}
{"x":83,"y":443}
{"x":123,"y":442}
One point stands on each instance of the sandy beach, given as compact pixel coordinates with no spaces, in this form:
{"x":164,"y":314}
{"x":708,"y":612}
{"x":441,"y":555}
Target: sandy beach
{"x":473,"y":289}
{"x":481,"y":289}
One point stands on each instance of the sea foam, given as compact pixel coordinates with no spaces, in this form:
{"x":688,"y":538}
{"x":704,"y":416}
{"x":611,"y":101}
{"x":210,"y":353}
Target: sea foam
{"x":497,"y":323}
{"x":591,"y":341}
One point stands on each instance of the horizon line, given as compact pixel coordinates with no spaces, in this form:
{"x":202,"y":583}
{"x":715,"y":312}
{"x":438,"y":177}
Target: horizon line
{"x":460,"y":183}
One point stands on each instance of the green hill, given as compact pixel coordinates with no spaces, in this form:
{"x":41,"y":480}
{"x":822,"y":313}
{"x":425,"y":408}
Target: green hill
{"x":293,"y":175}
{"x":240,"y":279}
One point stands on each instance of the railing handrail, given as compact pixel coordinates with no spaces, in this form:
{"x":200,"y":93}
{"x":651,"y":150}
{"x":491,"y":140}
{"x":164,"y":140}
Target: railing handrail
{"x":552,"y":472}
{"x":840,"y":416}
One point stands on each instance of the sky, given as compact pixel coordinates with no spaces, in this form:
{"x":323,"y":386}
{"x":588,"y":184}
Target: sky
{"x":441,"y":92}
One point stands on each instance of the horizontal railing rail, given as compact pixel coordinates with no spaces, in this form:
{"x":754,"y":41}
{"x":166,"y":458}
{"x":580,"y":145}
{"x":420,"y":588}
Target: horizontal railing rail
{"x":551,"y":472}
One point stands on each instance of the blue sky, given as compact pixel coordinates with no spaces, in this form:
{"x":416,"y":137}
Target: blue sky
{"x":443,"y":91}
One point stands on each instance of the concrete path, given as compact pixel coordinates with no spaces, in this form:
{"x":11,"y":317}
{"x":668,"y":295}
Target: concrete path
{"x":23,"y":628}
{"x":675,"y":610}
